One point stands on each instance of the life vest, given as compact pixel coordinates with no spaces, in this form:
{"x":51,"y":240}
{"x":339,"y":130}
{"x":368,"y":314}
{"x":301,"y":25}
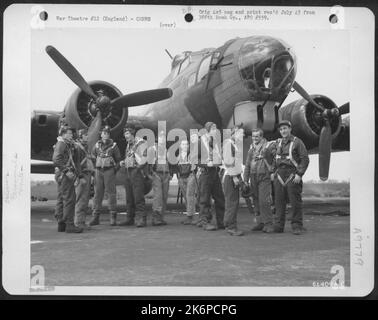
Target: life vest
{"x":130,"y":160}
{"x":260,"y":155}
{"x":105,"y":157}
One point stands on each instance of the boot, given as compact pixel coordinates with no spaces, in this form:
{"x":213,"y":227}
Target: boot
{"x":128,"y":222}
{"x":235,"y":232}
{"x":141,"y":221}
{"x":113,"y":218}
{"x":209,"y":227}
{"x":278,"y":229}
{"x":157,"y":219}
{"x":258,"y":227}
{"x":268,"y":228}
{"x":71,"y":228}
{"x":83,"y":226}
{"x":61,"y":226}
{"x":95,"y":220}
{"x":187,"y":220}
{"x":298,"y":230}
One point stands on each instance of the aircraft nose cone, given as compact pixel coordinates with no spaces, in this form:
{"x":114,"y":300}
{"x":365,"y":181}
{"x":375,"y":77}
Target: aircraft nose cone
{"x":267,"y":67}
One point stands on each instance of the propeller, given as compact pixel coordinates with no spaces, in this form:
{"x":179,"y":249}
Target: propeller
{"x":325,"y":143}
{"x":101,"y":101}
{"x":325,"y":139}
{"x":93,"y":131}
{"x":297,"y":87}
{"x":142,"y":97}
{"x":70,"y":70}
{"x":344,"y":109}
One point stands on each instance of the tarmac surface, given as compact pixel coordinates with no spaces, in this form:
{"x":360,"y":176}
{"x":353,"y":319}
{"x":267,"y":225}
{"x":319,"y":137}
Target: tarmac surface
{"x":181,"y":255}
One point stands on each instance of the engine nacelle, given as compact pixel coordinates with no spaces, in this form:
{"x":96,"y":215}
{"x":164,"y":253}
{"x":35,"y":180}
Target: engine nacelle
{"x":80,"y":111}
{"x":308,"y":121}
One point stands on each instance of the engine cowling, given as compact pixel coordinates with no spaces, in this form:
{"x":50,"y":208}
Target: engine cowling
{"x":80,"y":109}
{"x":307,"y":121}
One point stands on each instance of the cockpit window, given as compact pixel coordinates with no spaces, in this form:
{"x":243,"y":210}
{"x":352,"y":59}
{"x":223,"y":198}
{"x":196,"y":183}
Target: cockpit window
{"x":175,"y":71}
{"x":191,"y":79}
{"x":184,"y":64}
{"x":204,"y":68}
{"x":282,"y":66}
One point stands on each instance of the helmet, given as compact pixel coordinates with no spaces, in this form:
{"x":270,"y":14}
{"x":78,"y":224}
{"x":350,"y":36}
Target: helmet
{"x":106,"y":129}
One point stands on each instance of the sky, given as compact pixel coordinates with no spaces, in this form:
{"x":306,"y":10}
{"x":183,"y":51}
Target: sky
{"x":135,"y":59}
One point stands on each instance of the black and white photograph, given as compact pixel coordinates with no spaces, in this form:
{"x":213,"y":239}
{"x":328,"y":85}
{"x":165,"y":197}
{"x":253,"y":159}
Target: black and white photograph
{"x":166,"y":159}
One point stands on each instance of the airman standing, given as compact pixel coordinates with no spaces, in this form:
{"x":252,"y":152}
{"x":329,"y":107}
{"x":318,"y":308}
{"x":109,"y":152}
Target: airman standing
{"x":232,"y":181}
{"x":134,"y":165}
{"x":83,"y":186}
{"x":257,"y":172}
{"x":161,"y":174}
{"x":209,"y":180}
{"x":107,"y":157}
{"x":65,"y":158}
{"x":186,"y":174}
{"x":291,"y":162}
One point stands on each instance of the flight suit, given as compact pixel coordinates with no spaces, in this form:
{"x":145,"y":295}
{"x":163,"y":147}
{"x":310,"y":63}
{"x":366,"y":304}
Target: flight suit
{"x":135,"y":183}
{"x":161,"y":174}
{"x":186,"y":173}
{"x":291,"y":158}
{"x":83,"y":187}
{"x":65,"y":158}
{"x":231,"y":185}
{"x":107,"y":157}
{"x":210,"y":186}
{"x":258,"y":169}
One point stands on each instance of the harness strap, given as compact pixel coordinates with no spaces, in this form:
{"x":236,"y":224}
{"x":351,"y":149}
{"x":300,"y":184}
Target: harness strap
{"x":284,"y":183}
{"x":290,"y":156}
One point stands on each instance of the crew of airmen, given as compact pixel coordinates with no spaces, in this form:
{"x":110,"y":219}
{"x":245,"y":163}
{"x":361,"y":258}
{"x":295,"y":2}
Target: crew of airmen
{"x":211,"y":175}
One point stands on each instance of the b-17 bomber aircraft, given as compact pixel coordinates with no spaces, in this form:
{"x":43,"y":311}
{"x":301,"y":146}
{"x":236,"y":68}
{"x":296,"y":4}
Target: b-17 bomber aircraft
{"x":246,"y":80}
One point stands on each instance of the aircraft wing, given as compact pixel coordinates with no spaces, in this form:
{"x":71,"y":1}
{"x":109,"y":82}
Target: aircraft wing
{"x":42,"y":167}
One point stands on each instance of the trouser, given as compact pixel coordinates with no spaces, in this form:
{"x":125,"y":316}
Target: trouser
{"x":134,"y":185}
{"x":104,"y":182}
{"x":59,"y":201}
{"x":160,"y":187}
{"x":231,"y":194}
{"x":294,"y":193}
{"x":189,"y":189}
{"x":82,"y":190}
{"x":262,"y":197}
{"x":210,"y":186}
{"x":68,"y":197}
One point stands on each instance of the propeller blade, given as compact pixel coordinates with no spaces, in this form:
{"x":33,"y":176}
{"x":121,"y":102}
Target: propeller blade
{"x":344,"y":109}
{"x":94,"y":130}
{"x":142,"y":97}
{"x":325,"y":145}
{"x":69,"y":70}
{"x":306,"y":96}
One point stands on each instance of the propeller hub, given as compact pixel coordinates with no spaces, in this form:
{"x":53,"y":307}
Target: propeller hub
{"x":102,"y":102}
{"x":330,"y":113}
